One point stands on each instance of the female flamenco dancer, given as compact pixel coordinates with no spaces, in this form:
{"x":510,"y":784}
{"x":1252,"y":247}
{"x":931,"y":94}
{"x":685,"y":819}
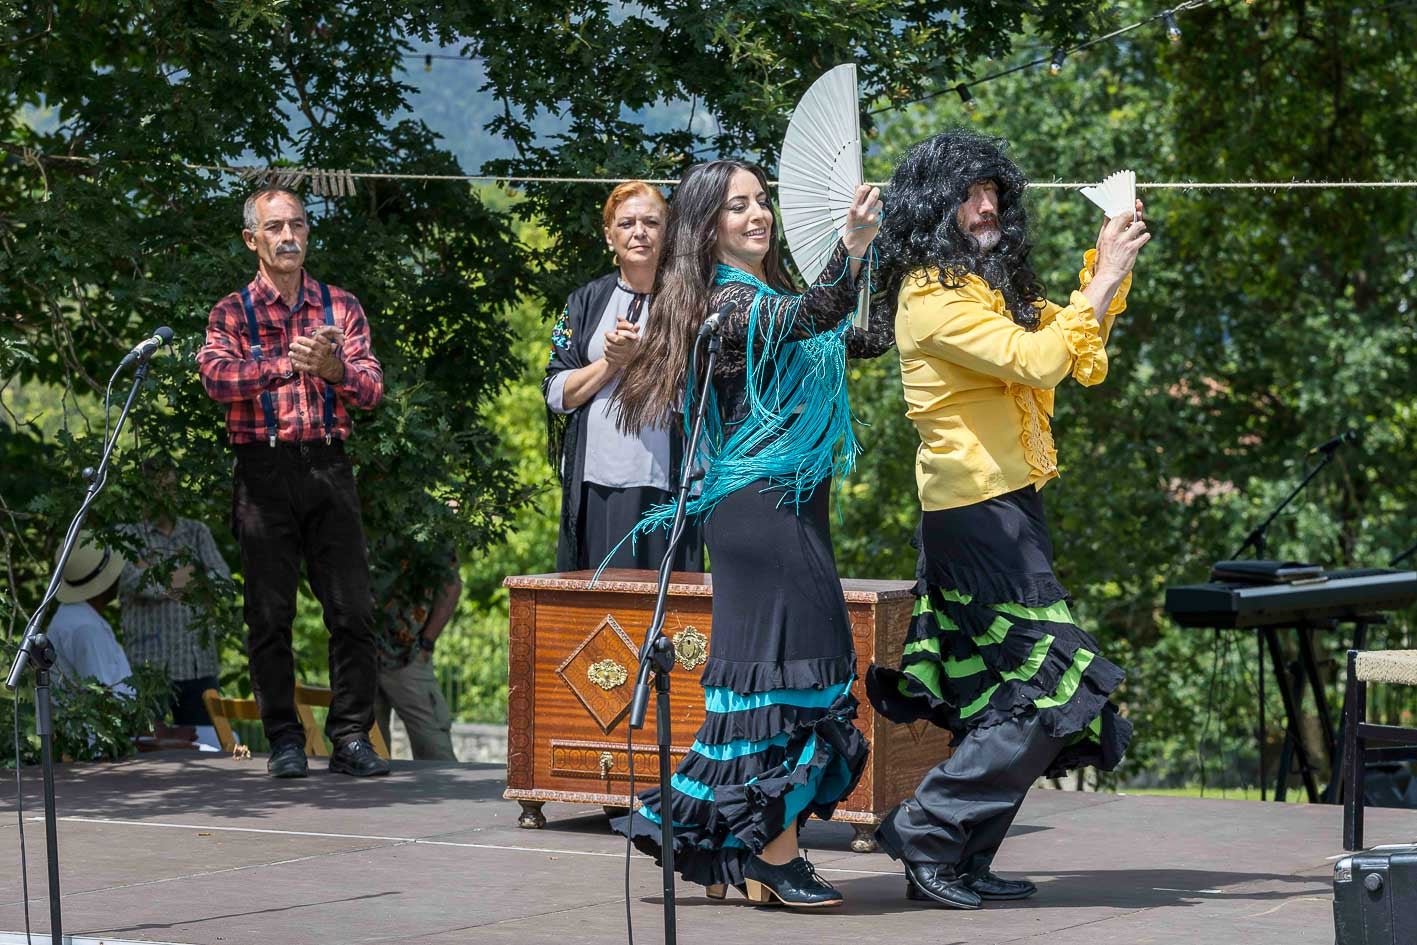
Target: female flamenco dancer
{"x":992,"y":653}
{"x":777,"y":744}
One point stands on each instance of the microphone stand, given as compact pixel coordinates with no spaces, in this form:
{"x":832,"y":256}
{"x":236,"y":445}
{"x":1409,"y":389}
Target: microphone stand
{"x":657,"y":653}
{"x":1256,"y":538}
{"x":36,"y":650}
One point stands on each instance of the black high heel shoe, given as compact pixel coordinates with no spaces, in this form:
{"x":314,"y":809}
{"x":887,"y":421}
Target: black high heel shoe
{"x":795,"y":883}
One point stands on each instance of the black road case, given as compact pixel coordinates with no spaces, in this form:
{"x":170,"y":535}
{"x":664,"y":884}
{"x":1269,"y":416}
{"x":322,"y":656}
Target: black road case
{"x":1375,"y":897}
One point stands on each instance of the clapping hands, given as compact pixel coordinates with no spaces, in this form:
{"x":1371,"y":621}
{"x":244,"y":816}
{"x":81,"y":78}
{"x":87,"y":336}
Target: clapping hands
{"x":620,"y":344}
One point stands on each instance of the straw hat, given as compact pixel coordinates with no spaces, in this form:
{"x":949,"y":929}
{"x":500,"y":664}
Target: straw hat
{"x":90,"y":571}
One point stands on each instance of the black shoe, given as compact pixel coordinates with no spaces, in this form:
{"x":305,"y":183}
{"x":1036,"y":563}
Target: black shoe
{"x":794,"y":883}
{"x":358,"y":757}
{"x":288,"y":761}
{"x":990,"y":886}
{"x":931,"y":882}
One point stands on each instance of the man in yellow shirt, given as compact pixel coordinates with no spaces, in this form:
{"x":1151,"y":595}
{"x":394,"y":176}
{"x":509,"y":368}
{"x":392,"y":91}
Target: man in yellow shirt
{"x":993,"y":653}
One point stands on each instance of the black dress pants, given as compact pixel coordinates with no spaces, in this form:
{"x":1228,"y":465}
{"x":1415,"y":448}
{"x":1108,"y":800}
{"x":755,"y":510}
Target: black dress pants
{"x":964,"y":806}
{"x":291,"y":502}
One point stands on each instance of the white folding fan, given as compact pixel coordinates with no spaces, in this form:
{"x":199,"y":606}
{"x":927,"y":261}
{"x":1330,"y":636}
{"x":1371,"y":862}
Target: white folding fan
{"x":818,"y":175}
{"x":1116,"y":195}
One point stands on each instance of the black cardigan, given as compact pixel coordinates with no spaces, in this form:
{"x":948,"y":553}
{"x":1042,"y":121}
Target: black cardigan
{"x":565,"y":440}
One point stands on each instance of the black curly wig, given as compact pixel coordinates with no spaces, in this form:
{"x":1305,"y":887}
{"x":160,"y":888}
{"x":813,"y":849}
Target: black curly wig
{"x":921,"y":226}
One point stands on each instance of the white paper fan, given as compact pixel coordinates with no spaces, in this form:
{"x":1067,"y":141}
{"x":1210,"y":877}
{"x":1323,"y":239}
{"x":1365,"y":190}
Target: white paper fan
{"x":1116,"y":195}
{"x":819,"y":172}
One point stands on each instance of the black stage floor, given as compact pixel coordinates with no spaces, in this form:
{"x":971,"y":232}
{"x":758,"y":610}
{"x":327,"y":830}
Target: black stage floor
{"x":203,"y":849}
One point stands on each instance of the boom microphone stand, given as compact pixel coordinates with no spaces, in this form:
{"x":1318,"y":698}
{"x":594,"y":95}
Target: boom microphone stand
{"x":657,"y":653}
{"x":1256,"y":539}
{"x":37,"y":650}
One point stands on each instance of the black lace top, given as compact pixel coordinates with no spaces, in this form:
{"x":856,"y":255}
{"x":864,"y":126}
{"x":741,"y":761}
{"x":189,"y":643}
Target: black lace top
{"x":831,"y":299}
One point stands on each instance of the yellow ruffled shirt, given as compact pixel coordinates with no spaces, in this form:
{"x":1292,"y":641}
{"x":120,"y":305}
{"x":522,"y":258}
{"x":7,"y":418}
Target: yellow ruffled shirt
{"x":979,"y":388}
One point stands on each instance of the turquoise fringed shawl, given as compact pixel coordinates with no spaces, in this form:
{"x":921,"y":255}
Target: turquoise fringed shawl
{"x":798,"y":431}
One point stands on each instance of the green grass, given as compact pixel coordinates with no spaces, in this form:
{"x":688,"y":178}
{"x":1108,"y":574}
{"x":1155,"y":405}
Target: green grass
{"x":1247,"y":793}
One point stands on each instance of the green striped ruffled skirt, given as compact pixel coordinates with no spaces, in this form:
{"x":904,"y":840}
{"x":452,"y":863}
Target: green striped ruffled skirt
{"x":972,"y":660}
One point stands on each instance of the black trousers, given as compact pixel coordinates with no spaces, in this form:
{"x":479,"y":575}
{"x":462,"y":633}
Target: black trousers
{"x":964,"y":806}
{"x":294,"y":502}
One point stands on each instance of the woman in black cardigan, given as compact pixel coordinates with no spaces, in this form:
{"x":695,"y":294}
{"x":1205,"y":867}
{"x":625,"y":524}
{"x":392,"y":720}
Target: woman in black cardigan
{"x":609,"y":479}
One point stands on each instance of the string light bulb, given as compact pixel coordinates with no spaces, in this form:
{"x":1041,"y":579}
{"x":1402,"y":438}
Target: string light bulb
{"x":965,"y":98}
{"x":1056,"y":66}
{"x":427,"y":62}
{"x":1173,"y":29}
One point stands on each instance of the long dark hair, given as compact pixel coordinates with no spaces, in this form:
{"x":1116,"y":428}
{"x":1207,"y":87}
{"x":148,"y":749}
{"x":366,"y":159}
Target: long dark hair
{"x":652,"y":386}
{"x":921,"y":227}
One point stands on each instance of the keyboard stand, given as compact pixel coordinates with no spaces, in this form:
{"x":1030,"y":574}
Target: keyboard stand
{"x":1291,"y":681}
{"x":1291,"y":694}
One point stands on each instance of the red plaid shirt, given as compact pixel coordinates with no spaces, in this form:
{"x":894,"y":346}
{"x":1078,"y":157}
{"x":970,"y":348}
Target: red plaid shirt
{"x":232,"y":377}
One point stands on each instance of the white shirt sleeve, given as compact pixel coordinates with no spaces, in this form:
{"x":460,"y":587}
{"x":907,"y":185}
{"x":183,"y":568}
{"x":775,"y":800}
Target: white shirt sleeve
{"x":556,"y":393}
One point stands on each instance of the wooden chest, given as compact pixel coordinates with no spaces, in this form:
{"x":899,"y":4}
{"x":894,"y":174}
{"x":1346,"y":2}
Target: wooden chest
{"x":572,"y":675}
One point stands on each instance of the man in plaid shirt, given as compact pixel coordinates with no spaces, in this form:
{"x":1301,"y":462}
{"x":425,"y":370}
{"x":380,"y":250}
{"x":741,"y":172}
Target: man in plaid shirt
{"x":288,"y":355}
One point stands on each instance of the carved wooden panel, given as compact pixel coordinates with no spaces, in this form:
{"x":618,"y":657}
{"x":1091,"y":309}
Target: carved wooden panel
{"x":608,"y":761}
{"x":521,"y":723}
{"x":566,"y":635}
{"x":601,"y":671}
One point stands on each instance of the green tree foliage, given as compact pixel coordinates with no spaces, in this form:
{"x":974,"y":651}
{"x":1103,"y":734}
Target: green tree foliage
{"x":106,"y":230}
{"x":741,"y":66}
{"x":1260,"y":324}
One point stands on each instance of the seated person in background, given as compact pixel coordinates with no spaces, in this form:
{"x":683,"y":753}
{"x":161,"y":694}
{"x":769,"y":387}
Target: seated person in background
{"x":82,"y":639}
{"x":156,"y":618}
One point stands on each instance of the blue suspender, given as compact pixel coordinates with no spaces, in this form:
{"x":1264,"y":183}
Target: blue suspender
{"x":329,"y":388}
{"x":267,"y":403}
{"x":267,"y":406}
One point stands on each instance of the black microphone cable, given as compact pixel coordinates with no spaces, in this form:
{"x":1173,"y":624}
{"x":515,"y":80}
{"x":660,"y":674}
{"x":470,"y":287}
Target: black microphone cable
{"x":665,"y":808}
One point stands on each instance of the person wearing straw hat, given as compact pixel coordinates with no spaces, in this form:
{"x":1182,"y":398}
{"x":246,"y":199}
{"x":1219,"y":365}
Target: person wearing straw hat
{"x":992,"y":653}
{"x":84,"y":644}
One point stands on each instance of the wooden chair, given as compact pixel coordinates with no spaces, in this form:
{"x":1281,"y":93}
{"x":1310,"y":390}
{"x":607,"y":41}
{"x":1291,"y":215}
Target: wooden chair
{"x":1392,"y":667}
{"x":222,"y":710}
{"x":308,"y":696}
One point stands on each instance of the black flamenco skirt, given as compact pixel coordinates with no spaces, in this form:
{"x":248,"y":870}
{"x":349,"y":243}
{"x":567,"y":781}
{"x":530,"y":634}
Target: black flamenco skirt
{"x":993,"y":638}
{"x":777,"y":744}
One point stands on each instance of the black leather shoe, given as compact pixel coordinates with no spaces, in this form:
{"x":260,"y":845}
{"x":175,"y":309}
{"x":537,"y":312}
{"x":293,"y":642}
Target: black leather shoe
{"x":358,"y":757}
{"x":794,"y":883}
{"x":288,"y":761}
{"x":931,"y":882}
{"x":991,"y":886}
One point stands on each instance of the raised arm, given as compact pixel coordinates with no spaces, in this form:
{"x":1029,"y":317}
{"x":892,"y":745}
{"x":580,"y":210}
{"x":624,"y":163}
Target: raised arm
{"x":821,"y":308}
{"x":967,"y":326}
{"x":878,"y":336}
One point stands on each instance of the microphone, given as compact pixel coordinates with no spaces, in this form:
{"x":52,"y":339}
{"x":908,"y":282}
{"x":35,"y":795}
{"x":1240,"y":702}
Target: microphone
{"x":1347,"y":436}
{"x":710,"y":325}
{"x":143,"y":351}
